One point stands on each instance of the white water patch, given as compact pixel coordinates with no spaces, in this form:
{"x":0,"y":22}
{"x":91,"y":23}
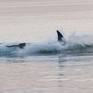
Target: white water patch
{"x":76,"y":43}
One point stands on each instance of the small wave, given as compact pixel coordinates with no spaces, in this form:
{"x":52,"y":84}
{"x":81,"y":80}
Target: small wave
{"x":75,"y":45}
{"x":45,"y":49}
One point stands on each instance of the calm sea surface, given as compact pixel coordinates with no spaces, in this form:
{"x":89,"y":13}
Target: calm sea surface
{"x":47,"y":74}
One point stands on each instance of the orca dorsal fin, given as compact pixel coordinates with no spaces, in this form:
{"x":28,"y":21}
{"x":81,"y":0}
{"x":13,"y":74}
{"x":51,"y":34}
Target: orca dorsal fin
{"x":60,"y":37}
{"x":22,"y":45}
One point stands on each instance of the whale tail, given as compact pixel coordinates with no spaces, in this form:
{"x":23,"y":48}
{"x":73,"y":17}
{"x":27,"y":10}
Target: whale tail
{"x":60,"y":38}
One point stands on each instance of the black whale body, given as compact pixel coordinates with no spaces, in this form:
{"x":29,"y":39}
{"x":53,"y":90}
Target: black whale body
{"x":20,"y":45}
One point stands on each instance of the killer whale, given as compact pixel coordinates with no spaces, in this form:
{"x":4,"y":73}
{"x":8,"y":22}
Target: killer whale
{"x":61,"y":38}
{"x":20,"y":45}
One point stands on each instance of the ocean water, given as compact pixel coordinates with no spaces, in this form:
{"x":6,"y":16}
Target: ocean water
{"x":47,"y":67}
{"x":47,"y":74}
{"x":44,"y":65}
